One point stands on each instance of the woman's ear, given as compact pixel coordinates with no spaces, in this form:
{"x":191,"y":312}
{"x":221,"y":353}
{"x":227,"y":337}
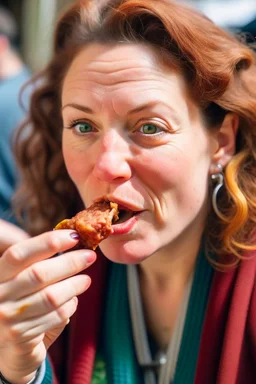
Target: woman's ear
{"x":226,"y":140}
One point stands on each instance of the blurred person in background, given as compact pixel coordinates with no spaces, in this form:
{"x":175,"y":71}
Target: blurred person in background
{"x":13,"y":75}
{"x":152,"y":106}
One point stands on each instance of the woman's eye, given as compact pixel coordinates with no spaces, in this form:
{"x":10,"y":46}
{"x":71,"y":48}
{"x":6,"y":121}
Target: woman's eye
{"x":150,"y":129}
{"x":83,"y":127}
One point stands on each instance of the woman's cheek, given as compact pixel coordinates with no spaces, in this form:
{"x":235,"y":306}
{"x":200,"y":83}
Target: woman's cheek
{"x":158,"y":170}
{"x":75,"y":159}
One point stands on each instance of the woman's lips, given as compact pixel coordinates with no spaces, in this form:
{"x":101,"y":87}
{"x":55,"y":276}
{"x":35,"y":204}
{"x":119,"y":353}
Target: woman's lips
{"x":126,"y":226}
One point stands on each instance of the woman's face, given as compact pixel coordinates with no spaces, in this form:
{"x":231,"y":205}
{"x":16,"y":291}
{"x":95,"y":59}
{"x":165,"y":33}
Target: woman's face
{"x":132,"y":133}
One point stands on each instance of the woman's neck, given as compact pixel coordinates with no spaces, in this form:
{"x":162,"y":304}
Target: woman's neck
{"x":164,"y":279}
{"x":172,"y":265}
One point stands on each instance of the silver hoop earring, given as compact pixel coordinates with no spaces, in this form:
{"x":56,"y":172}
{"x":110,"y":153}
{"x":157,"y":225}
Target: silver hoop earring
{"x":218,"y":178}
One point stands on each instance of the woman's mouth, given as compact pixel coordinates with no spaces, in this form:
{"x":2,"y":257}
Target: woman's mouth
{"x":125,"y":223}
{"x":124,"y":215}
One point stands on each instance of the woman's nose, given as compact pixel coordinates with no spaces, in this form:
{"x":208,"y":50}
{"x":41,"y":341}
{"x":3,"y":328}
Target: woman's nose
{"x":112,"y":163}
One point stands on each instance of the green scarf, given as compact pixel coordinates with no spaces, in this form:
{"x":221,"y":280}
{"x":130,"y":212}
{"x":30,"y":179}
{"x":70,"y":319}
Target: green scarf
{"x":118,"y":346}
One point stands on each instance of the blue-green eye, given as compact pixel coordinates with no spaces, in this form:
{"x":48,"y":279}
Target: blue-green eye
{"x":83,"y":127}
{"x":150,"y":129}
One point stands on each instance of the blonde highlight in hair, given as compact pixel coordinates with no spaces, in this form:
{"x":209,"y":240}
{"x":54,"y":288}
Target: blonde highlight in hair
{"x":237,"y":218}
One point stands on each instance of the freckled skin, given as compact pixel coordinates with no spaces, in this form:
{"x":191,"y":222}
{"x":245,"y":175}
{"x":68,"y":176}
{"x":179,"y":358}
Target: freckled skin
{"x":165,"y":174}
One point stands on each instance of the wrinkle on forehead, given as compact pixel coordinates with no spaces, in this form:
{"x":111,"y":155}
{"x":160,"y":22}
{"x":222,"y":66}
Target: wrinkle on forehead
{"x":114,"y":77}
{"x":114,"y":57}
{"x":110,"y":65}
{"x":124,"y":82}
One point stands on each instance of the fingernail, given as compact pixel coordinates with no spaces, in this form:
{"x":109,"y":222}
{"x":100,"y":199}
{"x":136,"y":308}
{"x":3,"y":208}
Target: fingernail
{"x":74,"y":235}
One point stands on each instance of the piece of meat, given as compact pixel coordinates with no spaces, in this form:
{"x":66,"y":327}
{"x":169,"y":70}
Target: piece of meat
{"x":93,"y":224}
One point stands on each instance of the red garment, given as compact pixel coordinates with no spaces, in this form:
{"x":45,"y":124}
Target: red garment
{"x":227,"y":352}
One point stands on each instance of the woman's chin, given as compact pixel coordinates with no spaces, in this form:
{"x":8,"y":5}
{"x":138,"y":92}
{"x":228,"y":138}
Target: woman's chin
{"x":124,"y":254}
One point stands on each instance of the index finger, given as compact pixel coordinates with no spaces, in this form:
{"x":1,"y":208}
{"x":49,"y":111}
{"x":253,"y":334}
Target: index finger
{"x":25,"y":253}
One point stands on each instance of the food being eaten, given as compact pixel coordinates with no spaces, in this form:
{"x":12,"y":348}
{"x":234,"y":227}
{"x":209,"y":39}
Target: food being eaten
{"x":93,"y":224}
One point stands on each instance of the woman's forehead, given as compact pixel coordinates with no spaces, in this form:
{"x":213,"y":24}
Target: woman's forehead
{"x":121,"y":71}
{"x":110,"y":56}
{"x":117,"y":63}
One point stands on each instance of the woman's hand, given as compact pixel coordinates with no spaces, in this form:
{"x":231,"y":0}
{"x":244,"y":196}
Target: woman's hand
{"x":38,"y":295}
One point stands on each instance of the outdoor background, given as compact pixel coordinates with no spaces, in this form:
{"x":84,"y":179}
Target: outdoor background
{"x":36,"y":19}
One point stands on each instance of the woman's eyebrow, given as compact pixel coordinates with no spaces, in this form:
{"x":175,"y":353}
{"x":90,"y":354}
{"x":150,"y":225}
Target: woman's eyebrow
{"x":153,"y":104}
{"x":135,"y":110}
{"x":80,"y":107}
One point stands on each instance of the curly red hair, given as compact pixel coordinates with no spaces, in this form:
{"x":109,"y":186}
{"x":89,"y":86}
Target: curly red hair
{"x":220,"y":75}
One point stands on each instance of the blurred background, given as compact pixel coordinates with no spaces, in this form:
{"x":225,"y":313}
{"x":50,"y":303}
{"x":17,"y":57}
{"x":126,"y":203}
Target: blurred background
{"x":36,"y":19}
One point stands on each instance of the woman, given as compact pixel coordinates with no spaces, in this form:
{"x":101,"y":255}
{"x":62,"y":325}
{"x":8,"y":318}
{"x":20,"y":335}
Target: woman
{"x":151,"y":105}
